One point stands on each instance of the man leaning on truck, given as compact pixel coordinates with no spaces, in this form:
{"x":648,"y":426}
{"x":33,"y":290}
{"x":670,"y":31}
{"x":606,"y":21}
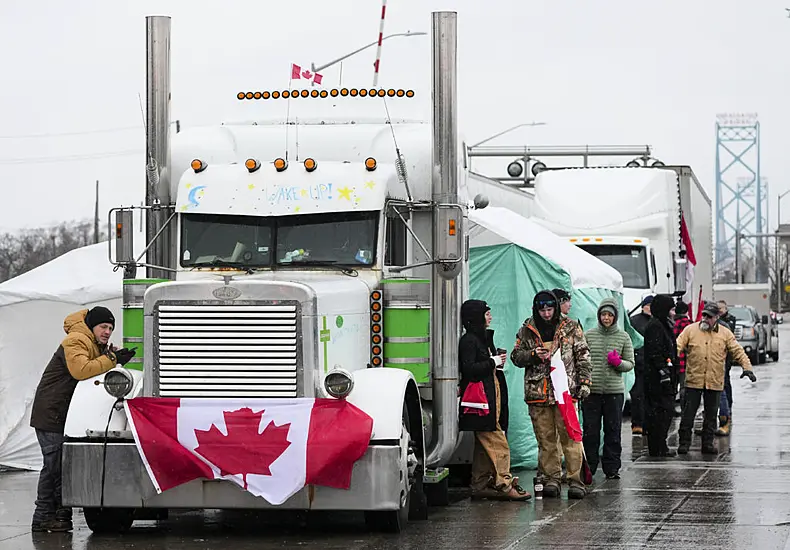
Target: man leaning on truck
{"x":707,"y":344}
{"x":85,"y":352}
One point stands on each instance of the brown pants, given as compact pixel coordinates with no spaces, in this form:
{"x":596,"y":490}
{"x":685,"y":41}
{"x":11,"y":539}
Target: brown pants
{"x":491,"y":460}
{"x":548,"y":426}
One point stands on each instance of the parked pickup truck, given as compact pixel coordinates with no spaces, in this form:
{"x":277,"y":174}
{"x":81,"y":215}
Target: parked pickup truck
{"x":751,"y":331}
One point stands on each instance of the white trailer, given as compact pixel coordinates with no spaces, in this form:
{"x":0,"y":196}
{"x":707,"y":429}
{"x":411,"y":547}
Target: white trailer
{"x":631,"y":219}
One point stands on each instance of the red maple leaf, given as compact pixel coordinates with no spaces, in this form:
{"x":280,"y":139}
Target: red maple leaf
{"x":244,"y":450}
{"x":307,"y":74}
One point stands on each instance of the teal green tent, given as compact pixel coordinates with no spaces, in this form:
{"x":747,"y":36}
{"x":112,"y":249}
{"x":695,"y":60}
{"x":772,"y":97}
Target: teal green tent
{"x":511,"y":259}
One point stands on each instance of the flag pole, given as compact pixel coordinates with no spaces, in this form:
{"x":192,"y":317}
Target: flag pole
{"x":377,"y":64}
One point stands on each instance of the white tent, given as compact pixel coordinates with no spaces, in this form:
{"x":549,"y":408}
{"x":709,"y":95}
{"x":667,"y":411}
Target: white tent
{"x":32,"y":309}
{"x":506,"y":226}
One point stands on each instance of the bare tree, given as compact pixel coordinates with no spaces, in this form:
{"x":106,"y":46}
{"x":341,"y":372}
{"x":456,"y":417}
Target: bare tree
{"x":27,"y":249}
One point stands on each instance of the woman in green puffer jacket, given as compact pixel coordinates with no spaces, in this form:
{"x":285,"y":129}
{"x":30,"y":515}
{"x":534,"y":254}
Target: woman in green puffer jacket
{"x":611,"y":354}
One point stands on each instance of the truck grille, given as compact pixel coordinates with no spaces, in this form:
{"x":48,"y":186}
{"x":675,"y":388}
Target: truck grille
{"x":227,"y":351}
{"x":738,"y":332}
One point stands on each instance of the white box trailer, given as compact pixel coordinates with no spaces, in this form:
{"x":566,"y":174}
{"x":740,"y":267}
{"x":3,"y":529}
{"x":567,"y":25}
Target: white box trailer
{"x":631,"y":219}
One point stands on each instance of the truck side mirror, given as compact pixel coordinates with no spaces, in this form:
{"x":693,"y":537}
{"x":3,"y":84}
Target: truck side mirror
{"x":680,"y":276}
{"x":124,"y":236}
{"x":765,"y":319}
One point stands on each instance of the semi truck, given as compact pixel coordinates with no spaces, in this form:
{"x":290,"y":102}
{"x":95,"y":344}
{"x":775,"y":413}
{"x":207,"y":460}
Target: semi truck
{"x":755,"y":328}
{"x":291,"y":257}
{"x":632,"y":218}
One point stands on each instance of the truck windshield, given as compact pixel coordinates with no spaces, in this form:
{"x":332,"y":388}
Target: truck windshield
{"x":740,"y":313}
{"x":630,"y":261}
{"x":346,"y":238}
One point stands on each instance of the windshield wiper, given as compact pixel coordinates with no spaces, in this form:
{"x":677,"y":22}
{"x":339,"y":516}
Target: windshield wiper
{"x":323,"y":263}
{"x":224,"y":263}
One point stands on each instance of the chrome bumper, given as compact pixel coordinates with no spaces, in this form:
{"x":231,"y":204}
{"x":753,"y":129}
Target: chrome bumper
{"x":375,"y":484}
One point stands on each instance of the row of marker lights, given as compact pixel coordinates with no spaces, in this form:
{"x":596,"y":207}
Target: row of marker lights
{"x":280,"y":164}
{"x":375,"y":329}
{"x":353,"y":92}
{"x":596,"y":239}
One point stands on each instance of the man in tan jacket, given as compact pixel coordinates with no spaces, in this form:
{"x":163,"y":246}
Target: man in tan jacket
{"x":85,"y":352}
{"x":706,"y":345}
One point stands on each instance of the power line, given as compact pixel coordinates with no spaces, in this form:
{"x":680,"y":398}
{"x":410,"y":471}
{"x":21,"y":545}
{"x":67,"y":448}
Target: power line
{"x":71,"y":158}
{"x":80,"y":133}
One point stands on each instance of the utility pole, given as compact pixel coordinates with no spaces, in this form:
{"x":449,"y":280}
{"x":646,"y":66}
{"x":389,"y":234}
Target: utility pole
{"x":96,"y":216}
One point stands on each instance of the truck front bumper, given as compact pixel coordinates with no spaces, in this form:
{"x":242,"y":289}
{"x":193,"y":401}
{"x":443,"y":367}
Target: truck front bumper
{"x":375,"y":484}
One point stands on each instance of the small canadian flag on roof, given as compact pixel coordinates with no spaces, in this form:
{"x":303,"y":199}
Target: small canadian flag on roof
{"x":298,"y":73}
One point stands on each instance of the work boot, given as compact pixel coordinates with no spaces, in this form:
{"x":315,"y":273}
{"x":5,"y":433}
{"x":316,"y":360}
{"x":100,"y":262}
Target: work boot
{"x":725,"y":426}
{"x":709,"y":449}
{"x":51,"y":526}
{"x":683,"y":449}
{"x":551,"y":489}
{"x":577,"y":493}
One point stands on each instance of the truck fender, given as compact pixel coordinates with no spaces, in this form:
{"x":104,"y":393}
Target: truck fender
{"x":90,"y":407}
{"x":381,"y":393}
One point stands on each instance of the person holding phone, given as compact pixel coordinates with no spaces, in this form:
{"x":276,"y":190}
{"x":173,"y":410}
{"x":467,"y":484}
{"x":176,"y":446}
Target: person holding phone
{"x":542,"y":335}
{"x":85,"y":352}
{"x":484,"y":408}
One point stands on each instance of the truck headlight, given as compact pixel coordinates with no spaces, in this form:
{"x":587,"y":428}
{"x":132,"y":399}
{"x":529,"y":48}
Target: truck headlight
{"x":339,"y":383}
{"x":118,"y":383}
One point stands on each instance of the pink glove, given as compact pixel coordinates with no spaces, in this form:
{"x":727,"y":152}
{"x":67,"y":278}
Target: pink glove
{"x":614,"y":358}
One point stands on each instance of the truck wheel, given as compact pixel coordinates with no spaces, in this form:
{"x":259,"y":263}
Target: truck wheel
{"x":109,"y":520}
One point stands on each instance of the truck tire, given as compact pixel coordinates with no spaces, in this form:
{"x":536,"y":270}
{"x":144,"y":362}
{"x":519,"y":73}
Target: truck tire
{"x":109,"y":520}
{"x":775,"y":356}
{"x":761,"y":357}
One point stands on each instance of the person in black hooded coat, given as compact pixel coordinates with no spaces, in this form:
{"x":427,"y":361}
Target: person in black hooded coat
{"x":480,"y":361}
{"x":660,"y":372}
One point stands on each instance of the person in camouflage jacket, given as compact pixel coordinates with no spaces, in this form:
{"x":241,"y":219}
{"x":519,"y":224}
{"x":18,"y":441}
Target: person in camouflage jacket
{"x":538,"y":339}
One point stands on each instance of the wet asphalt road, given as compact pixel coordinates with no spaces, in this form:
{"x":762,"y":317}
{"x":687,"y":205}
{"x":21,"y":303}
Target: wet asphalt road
{"x":737,"y":499}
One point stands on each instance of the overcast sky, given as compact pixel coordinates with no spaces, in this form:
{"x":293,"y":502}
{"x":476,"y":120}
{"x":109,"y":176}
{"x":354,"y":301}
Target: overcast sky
{"x":603,"y":72}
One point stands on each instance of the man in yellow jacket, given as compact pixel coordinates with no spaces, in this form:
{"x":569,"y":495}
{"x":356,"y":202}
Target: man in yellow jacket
{"x":706,"y":345}
{"x":84,"y":353}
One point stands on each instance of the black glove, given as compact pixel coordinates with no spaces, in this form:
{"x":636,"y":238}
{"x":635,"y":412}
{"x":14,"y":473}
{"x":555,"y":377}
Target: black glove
{"x":123,"y":355}
{"x":750,"y":374}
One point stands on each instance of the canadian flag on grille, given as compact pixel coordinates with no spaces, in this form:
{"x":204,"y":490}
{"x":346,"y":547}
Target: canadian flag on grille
{"x":297,"y":73}
{"x":270,"y":447}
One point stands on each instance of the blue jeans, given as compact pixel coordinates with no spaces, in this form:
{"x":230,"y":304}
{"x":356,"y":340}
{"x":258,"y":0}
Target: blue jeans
{"x":48,"y":499}
{"x":724,"y":405}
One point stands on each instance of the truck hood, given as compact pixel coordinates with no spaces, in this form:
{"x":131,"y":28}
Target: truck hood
{"x":333,"y":291}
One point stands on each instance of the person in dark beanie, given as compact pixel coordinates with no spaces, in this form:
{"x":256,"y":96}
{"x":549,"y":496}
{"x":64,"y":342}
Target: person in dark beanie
{"x":85,"y":352}
{"x":485,"y":412}
{"x":681,"y":321}
{"x":660,"y":361}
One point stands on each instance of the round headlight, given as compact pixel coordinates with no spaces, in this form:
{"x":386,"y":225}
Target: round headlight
{"x":339,"y":383}
{"x":118,"y":383}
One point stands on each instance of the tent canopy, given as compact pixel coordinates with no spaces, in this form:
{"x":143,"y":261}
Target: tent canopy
{"x":585,"y":270}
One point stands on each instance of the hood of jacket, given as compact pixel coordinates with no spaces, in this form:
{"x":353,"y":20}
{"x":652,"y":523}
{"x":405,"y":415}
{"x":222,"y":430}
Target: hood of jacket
{"x":660,"y":307}
{"x":75,"y":322}
{"x":608,"y":304}
{"x":473,"y":317}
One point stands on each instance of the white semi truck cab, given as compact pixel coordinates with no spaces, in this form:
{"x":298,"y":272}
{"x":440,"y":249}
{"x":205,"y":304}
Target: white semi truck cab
{"x":321,"y":258}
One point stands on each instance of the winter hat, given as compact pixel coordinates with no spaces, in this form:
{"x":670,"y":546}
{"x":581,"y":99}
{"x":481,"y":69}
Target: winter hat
{"x":711,"y":309}
{"x":473,"y":316}
{"x":647,"y":300}
{"x":681,"y":308}
{"x":661,"y":305}
{"x":561,"y":295}
{"x":99,"y":315}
